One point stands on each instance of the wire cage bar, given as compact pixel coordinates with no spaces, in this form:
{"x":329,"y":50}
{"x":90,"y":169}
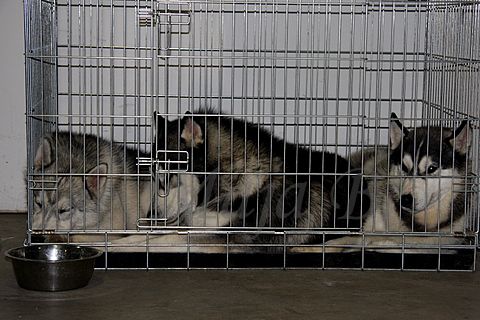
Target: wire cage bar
{"x":255,"y":134}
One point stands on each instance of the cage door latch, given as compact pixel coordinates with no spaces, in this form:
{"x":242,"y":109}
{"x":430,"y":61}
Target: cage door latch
{"x":167,"y":162}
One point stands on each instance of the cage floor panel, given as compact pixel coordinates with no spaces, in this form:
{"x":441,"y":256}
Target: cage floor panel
{"x":371,"y":260}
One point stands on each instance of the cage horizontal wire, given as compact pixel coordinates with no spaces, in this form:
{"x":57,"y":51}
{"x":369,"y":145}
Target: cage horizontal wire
{"x":255,"y":134}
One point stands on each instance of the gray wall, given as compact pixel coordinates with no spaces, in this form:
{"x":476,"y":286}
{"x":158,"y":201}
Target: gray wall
{"x":12,"y":137}
{"x":12,"y":121}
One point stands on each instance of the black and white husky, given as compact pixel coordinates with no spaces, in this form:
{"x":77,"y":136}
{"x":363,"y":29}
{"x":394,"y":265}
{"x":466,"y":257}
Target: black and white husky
{"x":249,"y":178}
{"x":419,"y":186}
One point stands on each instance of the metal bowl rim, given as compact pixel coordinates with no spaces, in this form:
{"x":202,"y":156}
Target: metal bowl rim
{"x":97,"y":254}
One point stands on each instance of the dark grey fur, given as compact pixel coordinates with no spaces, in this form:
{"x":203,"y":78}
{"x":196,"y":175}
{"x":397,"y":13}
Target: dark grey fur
{"x":258,"y":199}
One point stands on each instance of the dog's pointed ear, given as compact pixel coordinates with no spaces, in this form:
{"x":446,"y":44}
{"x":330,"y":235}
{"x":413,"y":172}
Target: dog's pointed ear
{"x":191,"y":132}
{"x":397,"y":132}
{"x":160,"y":123}
{"x":96,"y":180}
{"x":45,"y":154}
{"x":461,"y":138}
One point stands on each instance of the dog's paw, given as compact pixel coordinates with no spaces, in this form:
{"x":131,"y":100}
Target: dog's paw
{"x":314,"y":249}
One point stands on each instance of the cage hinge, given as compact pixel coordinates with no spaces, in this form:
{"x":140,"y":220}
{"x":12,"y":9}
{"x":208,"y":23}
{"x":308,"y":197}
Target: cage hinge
{"x":42,"y":185}
{"x":146,"y":17}
{"x":173,"y":16}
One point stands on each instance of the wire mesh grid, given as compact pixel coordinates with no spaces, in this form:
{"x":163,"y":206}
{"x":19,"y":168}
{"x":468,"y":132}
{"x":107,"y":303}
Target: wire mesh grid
{"x":291,"y":100}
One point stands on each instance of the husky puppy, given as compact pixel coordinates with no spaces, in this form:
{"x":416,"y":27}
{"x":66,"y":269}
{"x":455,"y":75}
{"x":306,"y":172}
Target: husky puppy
{"x":249,"y":178}
{"x":422,"y":187}
{"x":83,"y":182}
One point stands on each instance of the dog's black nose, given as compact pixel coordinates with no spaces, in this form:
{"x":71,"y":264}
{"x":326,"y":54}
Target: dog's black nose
{"x":407,"y":201}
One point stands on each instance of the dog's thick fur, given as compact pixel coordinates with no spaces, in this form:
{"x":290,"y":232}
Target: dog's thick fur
{"x":83,"y":182}
{"x":249,"y":178}
{"x":419,"y":184}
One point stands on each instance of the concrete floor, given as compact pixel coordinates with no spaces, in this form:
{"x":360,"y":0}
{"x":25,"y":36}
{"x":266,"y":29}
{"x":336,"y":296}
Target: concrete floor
{"x":242,"y":294}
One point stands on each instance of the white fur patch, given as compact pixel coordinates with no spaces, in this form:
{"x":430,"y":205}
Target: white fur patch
{"x":423,"y":164}
{"x":408,"y":161}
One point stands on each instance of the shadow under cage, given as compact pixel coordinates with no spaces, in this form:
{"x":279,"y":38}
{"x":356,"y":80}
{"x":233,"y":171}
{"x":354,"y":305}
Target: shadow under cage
{"x":255,"y":134}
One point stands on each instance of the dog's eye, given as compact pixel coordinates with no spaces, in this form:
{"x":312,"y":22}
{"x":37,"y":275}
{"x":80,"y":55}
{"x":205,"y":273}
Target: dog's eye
{"x":63,"y":210}
{"x":432,"y":168}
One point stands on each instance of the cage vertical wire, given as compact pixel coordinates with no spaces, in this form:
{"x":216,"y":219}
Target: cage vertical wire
{"x":108,"y":81}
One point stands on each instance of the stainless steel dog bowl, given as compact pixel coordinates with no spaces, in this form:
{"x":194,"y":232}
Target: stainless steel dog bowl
{"x":54,"y":267}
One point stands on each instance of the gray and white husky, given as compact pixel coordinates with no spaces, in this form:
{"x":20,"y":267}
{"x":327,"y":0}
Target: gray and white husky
{"x":83,"y":182}
{"x":419,"y":185}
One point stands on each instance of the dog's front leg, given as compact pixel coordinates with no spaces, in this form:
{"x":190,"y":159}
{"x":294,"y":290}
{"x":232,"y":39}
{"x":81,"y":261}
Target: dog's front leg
{"x":344,"y":244}
{"x":181,"y":200}
{"x":204,"y":217}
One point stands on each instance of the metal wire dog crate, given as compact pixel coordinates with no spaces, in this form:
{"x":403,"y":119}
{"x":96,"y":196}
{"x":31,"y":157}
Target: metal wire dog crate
{"x":320,"y":75}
